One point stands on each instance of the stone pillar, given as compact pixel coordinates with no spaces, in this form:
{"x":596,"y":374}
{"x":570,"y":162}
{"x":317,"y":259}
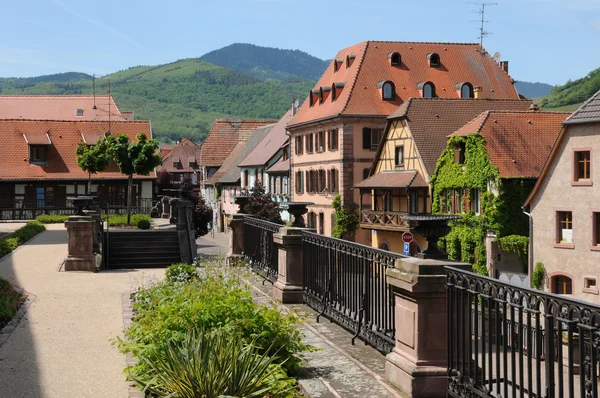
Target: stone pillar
{"x":187,"y":236}
{"x":418,"y":363}
{"x":289,"y":285}
{"x":81,"y":244}
{"x":236,"y":237}
{"x":173,"y":211}
{"x":165,"y":207}
{"x":98,"y":229}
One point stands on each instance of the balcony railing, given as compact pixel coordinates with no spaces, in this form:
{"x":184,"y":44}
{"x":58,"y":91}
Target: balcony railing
{"x":383,"y":220}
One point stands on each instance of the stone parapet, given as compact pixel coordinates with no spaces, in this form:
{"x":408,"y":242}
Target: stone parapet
{"x":417,"y":365}
{"x":289,"y":285}
{"x":80,"y":231}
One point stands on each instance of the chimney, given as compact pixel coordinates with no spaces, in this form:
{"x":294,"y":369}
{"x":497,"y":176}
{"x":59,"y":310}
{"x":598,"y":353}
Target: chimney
{"x":504,"y":66}
{"x":295,"y":105}
{"x":534,"y":107}
{"x":477,"y":92}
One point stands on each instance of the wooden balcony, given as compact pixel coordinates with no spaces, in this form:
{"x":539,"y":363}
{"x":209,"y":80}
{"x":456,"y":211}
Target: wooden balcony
{"x":383,"y":220}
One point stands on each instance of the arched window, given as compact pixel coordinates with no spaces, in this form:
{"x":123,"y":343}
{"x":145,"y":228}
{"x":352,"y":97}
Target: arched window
{"x":384,"y":246}
{"x":466,"y":91}
{"x":395,"y":59}
{"x":562,"y":284}
{"x":434,"y":60}
{"x":388,"y":91}
{"x":428,"y":90}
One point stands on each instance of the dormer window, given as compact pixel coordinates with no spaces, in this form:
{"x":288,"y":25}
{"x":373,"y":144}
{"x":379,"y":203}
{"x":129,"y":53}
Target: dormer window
{"x":79,"y":112}
{"x":38,"y":154}
{"x":349,"y":60}
{"x":388,"y":92}
{"x":313,"y":95}
{"x":434,"y":60}
{"x":427,"y":89}
{"x":337,"y":63}
{"x":395,"y":59}
{"x":336,"y":90}
{"x":466,"y":90}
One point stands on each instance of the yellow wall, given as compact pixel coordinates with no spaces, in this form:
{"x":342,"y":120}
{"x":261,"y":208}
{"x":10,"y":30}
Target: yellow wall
{"x":395,"y":242}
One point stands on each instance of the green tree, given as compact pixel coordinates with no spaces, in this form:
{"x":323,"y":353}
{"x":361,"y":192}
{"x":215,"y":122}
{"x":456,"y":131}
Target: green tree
{"x":92,"y":158}
{"x":139,"y":157}
{"x":261,"y":206}
{"x":346,"y":218}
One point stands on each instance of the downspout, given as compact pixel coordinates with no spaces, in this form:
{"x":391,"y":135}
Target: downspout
{"x":530,"y":260}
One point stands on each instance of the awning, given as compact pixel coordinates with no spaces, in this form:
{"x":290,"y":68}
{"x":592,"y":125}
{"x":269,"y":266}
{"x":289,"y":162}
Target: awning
{"x":393,"y":179}
{"x":37,"y":138}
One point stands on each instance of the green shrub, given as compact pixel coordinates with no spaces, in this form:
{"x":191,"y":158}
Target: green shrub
{"x":537,"y":279}
{"x":51,"y":219}
{"x":144,"y":224}
{"x":10,"y":300}
{"x":20,"y":236}
{"x":166,"y":311}
{"x":181,"y":272}
{"x":212,"y":365}
{"x":119,"y":220}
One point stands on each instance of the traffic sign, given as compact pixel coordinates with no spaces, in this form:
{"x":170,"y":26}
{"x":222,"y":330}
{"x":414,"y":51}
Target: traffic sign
{"x":407,"y":237}
{"x":406,"y":249}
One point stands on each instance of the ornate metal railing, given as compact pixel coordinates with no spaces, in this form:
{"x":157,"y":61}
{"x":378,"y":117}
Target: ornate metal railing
{"x":259,"y":247}
{"x":346,"y":282}
{"x":507,"y":341}
{"x":384,"y":218}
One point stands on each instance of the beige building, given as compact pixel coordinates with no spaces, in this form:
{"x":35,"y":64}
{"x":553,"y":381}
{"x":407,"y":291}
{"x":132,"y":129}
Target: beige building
{"x":565,"y":208}
{"x":336,"y":132}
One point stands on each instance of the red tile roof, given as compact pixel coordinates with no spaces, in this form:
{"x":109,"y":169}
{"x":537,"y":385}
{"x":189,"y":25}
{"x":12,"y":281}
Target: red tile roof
{"x":517,"y":143}
{"x":393,"y":179}
{"x":432,"y":120}
{"x":64,"y":135}
{"x":227,"y":164}
{"x":59,"y":107}
{"x":269,"y":145}
{"x":280,"y":166}
{"x":186,"y":152}
{"x":459,"y":63}
{"x":165,"y":150}
{"x":224,"y":135}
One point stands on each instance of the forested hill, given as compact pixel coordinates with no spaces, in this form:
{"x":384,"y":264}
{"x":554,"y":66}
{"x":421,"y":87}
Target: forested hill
{"x":267,"y":63}
{"x":573,"y":92}
{"x":182,"y":98}
{"x":23,"y":82}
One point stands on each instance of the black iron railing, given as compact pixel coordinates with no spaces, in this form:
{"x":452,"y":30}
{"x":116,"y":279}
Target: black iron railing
{"x":259,"y":247}
{"x":20,"y":210}
{"x":517,"y":342}
{"x":346,"y":282}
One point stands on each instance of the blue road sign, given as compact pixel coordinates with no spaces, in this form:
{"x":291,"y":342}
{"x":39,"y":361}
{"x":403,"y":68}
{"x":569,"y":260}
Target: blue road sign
{"x":406,"y":248}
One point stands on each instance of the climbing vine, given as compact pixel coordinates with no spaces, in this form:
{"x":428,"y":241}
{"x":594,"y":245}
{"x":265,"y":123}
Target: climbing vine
{"x":500,"y":204}
{"x":515,"y":244}
{"x":346,"y":218}
{"x":537,"y":279}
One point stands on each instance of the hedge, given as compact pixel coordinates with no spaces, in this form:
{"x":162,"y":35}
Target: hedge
{"x":20,"y":236}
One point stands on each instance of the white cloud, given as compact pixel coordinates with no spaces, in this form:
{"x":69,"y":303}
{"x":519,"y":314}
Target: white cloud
{"x":101,"y":25}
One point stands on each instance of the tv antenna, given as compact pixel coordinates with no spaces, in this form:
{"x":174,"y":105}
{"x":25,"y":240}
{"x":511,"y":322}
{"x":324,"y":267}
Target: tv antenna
{"x":481,"y":11}
{"x":94,"y":85}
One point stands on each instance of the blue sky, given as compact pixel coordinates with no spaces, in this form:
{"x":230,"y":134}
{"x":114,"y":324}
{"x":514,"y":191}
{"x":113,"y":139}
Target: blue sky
{"x":545,"y":40}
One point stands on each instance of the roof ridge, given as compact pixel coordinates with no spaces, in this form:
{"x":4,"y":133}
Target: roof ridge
{"x":469,"y":99}
{"x":585,"y":104}
{"x":74,"y":121}
{"x":529,"y":112}
{"x":422,"y":42}
{"x":355,"y":78}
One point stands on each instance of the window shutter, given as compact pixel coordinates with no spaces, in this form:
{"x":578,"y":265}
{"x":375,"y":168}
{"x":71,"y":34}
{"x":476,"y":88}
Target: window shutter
{"x":60,"y":196}
{"x":30,"y":196}
{"x":467,"y":200}
{"x":366,"y":138}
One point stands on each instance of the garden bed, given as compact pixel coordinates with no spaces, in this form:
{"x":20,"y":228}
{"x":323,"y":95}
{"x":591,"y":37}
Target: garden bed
{"x":201,"y":328}
{"x":13,"y":240}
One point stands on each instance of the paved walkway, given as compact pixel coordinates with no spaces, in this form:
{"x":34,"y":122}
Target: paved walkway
{"x":338,"y":369}
{"x":61,"y":347}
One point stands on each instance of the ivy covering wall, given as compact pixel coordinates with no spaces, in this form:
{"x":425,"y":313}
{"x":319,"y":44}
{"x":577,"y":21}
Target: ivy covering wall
{"x":501,"y":201}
